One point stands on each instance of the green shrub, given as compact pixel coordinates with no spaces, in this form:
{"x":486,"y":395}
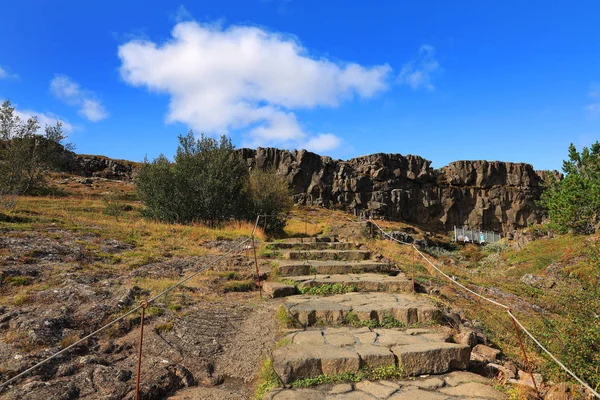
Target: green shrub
{"x":209,"y":182}
{"x":573,"y":203}
{"x":26,"y":157}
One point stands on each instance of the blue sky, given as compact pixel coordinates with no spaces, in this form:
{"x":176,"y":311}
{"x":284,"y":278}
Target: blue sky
{"x":510,"y":81}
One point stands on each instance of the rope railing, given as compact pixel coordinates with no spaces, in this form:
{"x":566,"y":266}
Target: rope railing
{"x":142,"y":305}
{"x":505,"y":307}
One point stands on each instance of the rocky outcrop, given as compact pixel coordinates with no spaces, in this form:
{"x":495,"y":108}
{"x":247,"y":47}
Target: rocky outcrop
{"x":488,"y":195}
{"x":103,"y":167}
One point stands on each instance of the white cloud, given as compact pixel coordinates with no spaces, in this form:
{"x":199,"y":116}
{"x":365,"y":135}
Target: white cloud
{"x":44,"y":119}
{"x":4,"y":74}
{"x":244,"y":78}
{"x":181,"y":14}
{"x":323,"y":142}
{"x":593,"y":109}
{"x":71,"y":93}
{"x":418,"y":72}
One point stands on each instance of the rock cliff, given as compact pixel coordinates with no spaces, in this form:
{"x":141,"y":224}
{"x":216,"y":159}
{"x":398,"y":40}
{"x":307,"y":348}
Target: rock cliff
{"x":497,"y":196}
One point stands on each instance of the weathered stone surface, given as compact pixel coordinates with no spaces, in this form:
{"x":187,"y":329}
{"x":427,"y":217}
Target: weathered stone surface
{"x":341,"y":388}
{"x":302,"y":245}
{"x":297,"y":394}
{"x":366,"y":282}
{"x":376,"y":389}
{"x":328,"y":255}
{"x":431,"y":358}
{"x":495,"y":370}
{"x":484,"y":353}
{"x":466,"y":336}
{"x":406,"y":308}
{"x":474,"y":389}
{"x":412,"y":393}
{"x":300,"y":361}
{"x":372,"y":356}
{"x":427,"y":383}
{"x":276,"y":289}
{"x":315,"y":267}
{"x":459,"y":377}
{"x":491,"y":195}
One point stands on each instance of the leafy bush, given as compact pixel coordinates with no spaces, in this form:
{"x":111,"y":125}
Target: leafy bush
{"x":573,"y":203}
{"x":206,"y":183}
{"x":270,"y":196}
{"x":26,"y":156}
{"x":209,"y":182}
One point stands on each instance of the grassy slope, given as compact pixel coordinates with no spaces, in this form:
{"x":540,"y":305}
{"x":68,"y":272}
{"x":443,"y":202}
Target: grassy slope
{"x":565,"y":316}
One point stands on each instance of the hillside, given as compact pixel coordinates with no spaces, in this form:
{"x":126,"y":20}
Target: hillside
{"x":214,"y":332}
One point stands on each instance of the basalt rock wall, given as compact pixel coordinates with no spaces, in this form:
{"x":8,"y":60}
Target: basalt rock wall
{"x":497,"y":196}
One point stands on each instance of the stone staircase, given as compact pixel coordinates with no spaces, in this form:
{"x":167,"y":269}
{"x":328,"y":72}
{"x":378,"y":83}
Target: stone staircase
{"x":372,"y":322}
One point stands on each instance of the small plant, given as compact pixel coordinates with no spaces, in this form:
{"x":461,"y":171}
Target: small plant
{"x":380,"y":373}
{"x":164,"y":327}
{"x":330,"y":288}
{"x":268,"y":380}
{"x":68,"y":340}
{"x":238,"y":286}
{"x":268,"y":253}
{"x":283,"y":317}
{"x":21,"y":298}
{"x":18,"y":280}
{"x":113,"y":206}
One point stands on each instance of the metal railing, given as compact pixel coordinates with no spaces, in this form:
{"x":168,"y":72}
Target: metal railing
{"x":466,"y":235}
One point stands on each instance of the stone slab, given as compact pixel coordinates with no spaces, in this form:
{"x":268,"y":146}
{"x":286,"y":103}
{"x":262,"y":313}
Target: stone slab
{"x":366,"y":282}
{"x":328,"y":255}
{"x":432,"y":357}
{"x":333,"y":310}
{"x":337,"y":350}
{"x":277,"y":289}
{"x":314,"y":267}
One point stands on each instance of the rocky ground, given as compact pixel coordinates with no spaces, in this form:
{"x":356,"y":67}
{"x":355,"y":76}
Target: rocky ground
{"x":58,"y":285}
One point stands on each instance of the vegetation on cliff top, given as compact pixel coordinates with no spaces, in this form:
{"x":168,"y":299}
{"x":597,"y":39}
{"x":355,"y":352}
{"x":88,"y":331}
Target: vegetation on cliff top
{"x":574,"y":203}
{"x":210,"y":183}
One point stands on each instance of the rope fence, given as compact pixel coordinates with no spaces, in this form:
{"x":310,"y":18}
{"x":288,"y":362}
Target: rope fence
{"x":143,"y":305}
{"x":494,"y":302}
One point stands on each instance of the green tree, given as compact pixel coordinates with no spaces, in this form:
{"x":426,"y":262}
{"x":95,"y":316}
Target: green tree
{"x":208,"y":183}
{"x":26,"y":156}
{"x":271,"y":196}
{"x":573,"y":203}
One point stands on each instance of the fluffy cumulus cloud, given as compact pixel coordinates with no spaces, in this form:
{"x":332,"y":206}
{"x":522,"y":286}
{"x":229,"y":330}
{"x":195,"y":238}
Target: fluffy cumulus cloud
{"x":248,"y":79}
{"x":593,"y":108}
{"x":419,"y":72}
{"x":71,"y":93}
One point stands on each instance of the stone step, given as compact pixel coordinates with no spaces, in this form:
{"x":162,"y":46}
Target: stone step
{"x":451,"y":386}
{"x":339,"y":309}
{"x":310,"y":246}
{"x":307,"y":267}
{"x":367,"y":282}
{"x":345,"y":255}
{"x":309,"y":239}
{"x":334,"y":351}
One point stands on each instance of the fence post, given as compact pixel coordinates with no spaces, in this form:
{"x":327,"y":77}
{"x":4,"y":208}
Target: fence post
{"x":524,"y":354}
{"x":413,"y":268}
{"x":144,"y":305}
{"x":256,"y":266}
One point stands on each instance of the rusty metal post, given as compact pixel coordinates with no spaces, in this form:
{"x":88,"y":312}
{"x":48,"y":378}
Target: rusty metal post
{"x":144,"y":305}
{"x":256,"y":266}
{"x":524,"y":353}
{"x":413,"y":269}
